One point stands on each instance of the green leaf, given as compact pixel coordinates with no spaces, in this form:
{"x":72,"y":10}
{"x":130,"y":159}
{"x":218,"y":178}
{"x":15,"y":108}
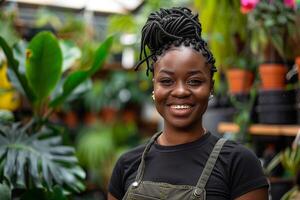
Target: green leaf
{"x":57,"y":194}
{"x":76,"y":78}
{"x":6,"y":115}
{"x":274,"y":162}
{"x":70,"y":53}
{"x":43,"y":64}
{"x":277,"y":41}
{"x":39,"y":158}
{"x":5,"y":193}
{"x":14,"y":65}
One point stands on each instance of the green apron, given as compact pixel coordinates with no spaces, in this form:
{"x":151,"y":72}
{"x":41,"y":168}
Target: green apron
{"x":148,"y":190}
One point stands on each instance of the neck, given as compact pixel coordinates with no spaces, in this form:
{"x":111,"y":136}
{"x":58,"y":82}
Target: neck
{"x":171,"y":137}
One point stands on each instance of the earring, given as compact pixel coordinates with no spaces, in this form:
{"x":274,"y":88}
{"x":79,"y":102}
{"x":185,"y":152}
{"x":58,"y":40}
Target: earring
{"x":153,"y":97}
{"x":211,"y":96}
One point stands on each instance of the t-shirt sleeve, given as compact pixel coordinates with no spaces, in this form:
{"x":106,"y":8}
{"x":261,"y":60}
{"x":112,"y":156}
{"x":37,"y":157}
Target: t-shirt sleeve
{"x":246,"y":173}
{"x":116,"y":181}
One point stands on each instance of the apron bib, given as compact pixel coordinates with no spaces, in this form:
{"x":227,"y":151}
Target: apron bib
{"x":148,"y":190}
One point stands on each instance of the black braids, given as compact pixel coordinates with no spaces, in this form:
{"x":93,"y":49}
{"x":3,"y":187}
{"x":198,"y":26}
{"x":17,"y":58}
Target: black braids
{"x":176,"y":22}
{"x":172,"y":27}
{"x":159,"y":25}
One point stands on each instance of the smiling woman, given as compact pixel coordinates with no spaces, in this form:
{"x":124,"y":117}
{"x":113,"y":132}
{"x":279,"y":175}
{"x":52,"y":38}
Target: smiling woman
{"x":184,"y":160}
{"x":182,"y":86}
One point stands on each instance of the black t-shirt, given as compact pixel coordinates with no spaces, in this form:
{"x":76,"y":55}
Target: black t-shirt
{"x":237,"y":170}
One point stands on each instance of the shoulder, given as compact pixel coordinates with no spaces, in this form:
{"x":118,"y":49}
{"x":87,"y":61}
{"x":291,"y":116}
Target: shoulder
{"x":244,"y":170}
{"x":237,"y":151}
{"x":132,"y":155}
{"x":124,"y":170}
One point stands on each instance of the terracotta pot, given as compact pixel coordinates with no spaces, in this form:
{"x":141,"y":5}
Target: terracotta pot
{"x":108,"y":114}
{"x":239,"y":80}
{"x":90,"y":118}
{"x":71,"y":119}
{"x":297,"y":62}
{"x":272,"y":76}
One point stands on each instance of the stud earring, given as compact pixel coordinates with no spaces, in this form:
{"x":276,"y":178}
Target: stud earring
{"x":153,"y":97}
{"x":211,"y":96}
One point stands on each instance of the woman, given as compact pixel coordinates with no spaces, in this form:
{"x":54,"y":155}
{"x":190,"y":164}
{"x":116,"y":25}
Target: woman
{"x":184,"y":161}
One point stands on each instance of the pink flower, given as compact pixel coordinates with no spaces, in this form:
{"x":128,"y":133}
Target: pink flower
{"x":290,"y":3}
{"x":248,"y":5}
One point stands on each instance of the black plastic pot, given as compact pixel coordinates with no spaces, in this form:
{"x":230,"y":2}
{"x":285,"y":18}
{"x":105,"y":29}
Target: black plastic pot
{"x":213,"y":116}
{"x":276,"y":114}
{"x":298,"y":105}
{"x":298,"y":112}
{"x":282,"y":97}
{"x":279,"y":187}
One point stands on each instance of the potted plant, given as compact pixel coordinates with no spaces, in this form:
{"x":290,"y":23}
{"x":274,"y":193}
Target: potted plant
{"x":240,"y":75}
{"x":289,"y":158}
{"x":272,"y":23}
{"x":100,"y":145}
{"x":224,"y":38}
{"x":33,"y":161}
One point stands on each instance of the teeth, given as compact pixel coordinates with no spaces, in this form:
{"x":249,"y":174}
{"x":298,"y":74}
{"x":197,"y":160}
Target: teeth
{"x":180,"y":106}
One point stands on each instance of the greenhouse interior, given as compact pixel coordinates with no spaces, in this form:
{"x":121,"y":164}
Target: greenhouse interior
{"x":83,"y":89}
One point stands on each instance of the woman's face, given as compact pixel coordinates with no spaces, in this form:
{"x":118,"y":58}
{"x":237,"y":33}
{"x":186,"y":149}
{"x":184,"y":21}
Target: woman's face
{"x":182,"y":85}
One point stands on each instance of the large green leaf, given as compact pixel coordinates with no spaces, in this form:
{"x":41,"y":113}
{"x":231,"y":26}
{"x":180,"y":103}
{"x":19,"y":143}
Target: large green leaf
{"x":43,"y":64}
{"x":39,"y":158}
{"x":76,"y":78}
{"x":5,"y":193}
{"x":14,"y":65}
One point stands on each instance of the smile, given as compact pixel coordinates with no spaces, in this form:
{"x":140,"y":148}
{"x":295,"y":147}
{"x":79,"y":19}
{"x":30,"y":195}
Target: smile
{"x":180,"y":106}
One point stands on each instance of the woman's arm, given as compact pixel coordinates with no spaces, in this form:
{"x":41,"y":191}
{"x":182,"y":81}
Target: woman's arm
{"x":259,"y":194}
{"x":111,"y":197}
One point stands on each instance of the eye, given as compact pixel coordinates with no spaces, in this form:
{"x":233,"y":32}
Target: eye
{"x":166,"y":81}
{"x":194,"y":82}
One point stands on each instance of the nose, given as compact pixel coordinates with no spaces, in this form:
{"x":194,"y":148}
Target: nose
{"x":180,"y":90}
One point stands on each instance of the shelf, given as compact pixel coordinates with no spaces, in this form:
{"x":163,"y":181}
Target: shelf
{"x":261,"y":129}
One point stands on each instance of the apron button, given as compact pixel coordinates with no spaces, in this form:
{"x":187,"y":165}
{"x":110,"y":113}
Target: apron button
{"x":135,"y":184}
{"x":197,"y":192}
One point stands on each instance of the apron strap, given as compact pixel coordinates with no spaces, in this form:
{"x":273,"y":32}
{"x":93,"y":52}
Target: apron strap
{"x":141,"y":169}
{"x":210,"y":164}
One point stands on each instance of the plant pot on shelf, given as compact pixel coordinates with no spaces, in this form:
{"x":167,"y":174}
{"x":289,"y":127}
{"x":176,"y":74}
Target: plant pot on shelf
{"x":276,"y":107}
{"x":297,"y":62}
{"x":239,"y":80}
{"x":298,"y":105}
{"x":272,"y":76}
{"x":276,"y":114}
{"x":276,"y":97}
{"x":279,"y":186}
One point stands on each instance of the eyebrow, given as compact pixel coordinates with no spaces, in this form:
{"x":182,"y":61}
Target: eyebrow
{"x":166,"y":71}
{"x":191,"y":72}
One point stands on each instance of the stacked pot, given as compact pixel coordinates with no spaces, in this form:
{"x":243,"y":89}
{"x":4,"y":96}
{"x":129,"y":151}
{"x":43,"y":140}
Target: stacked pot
{"x":297,"y":63}
{"x":276,"y":105}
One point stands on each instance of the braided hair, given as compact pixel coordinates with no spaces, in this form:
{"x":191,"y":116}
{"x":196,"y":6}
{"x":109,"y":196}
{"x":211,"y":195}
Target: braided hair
{"x":172,"y":27}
